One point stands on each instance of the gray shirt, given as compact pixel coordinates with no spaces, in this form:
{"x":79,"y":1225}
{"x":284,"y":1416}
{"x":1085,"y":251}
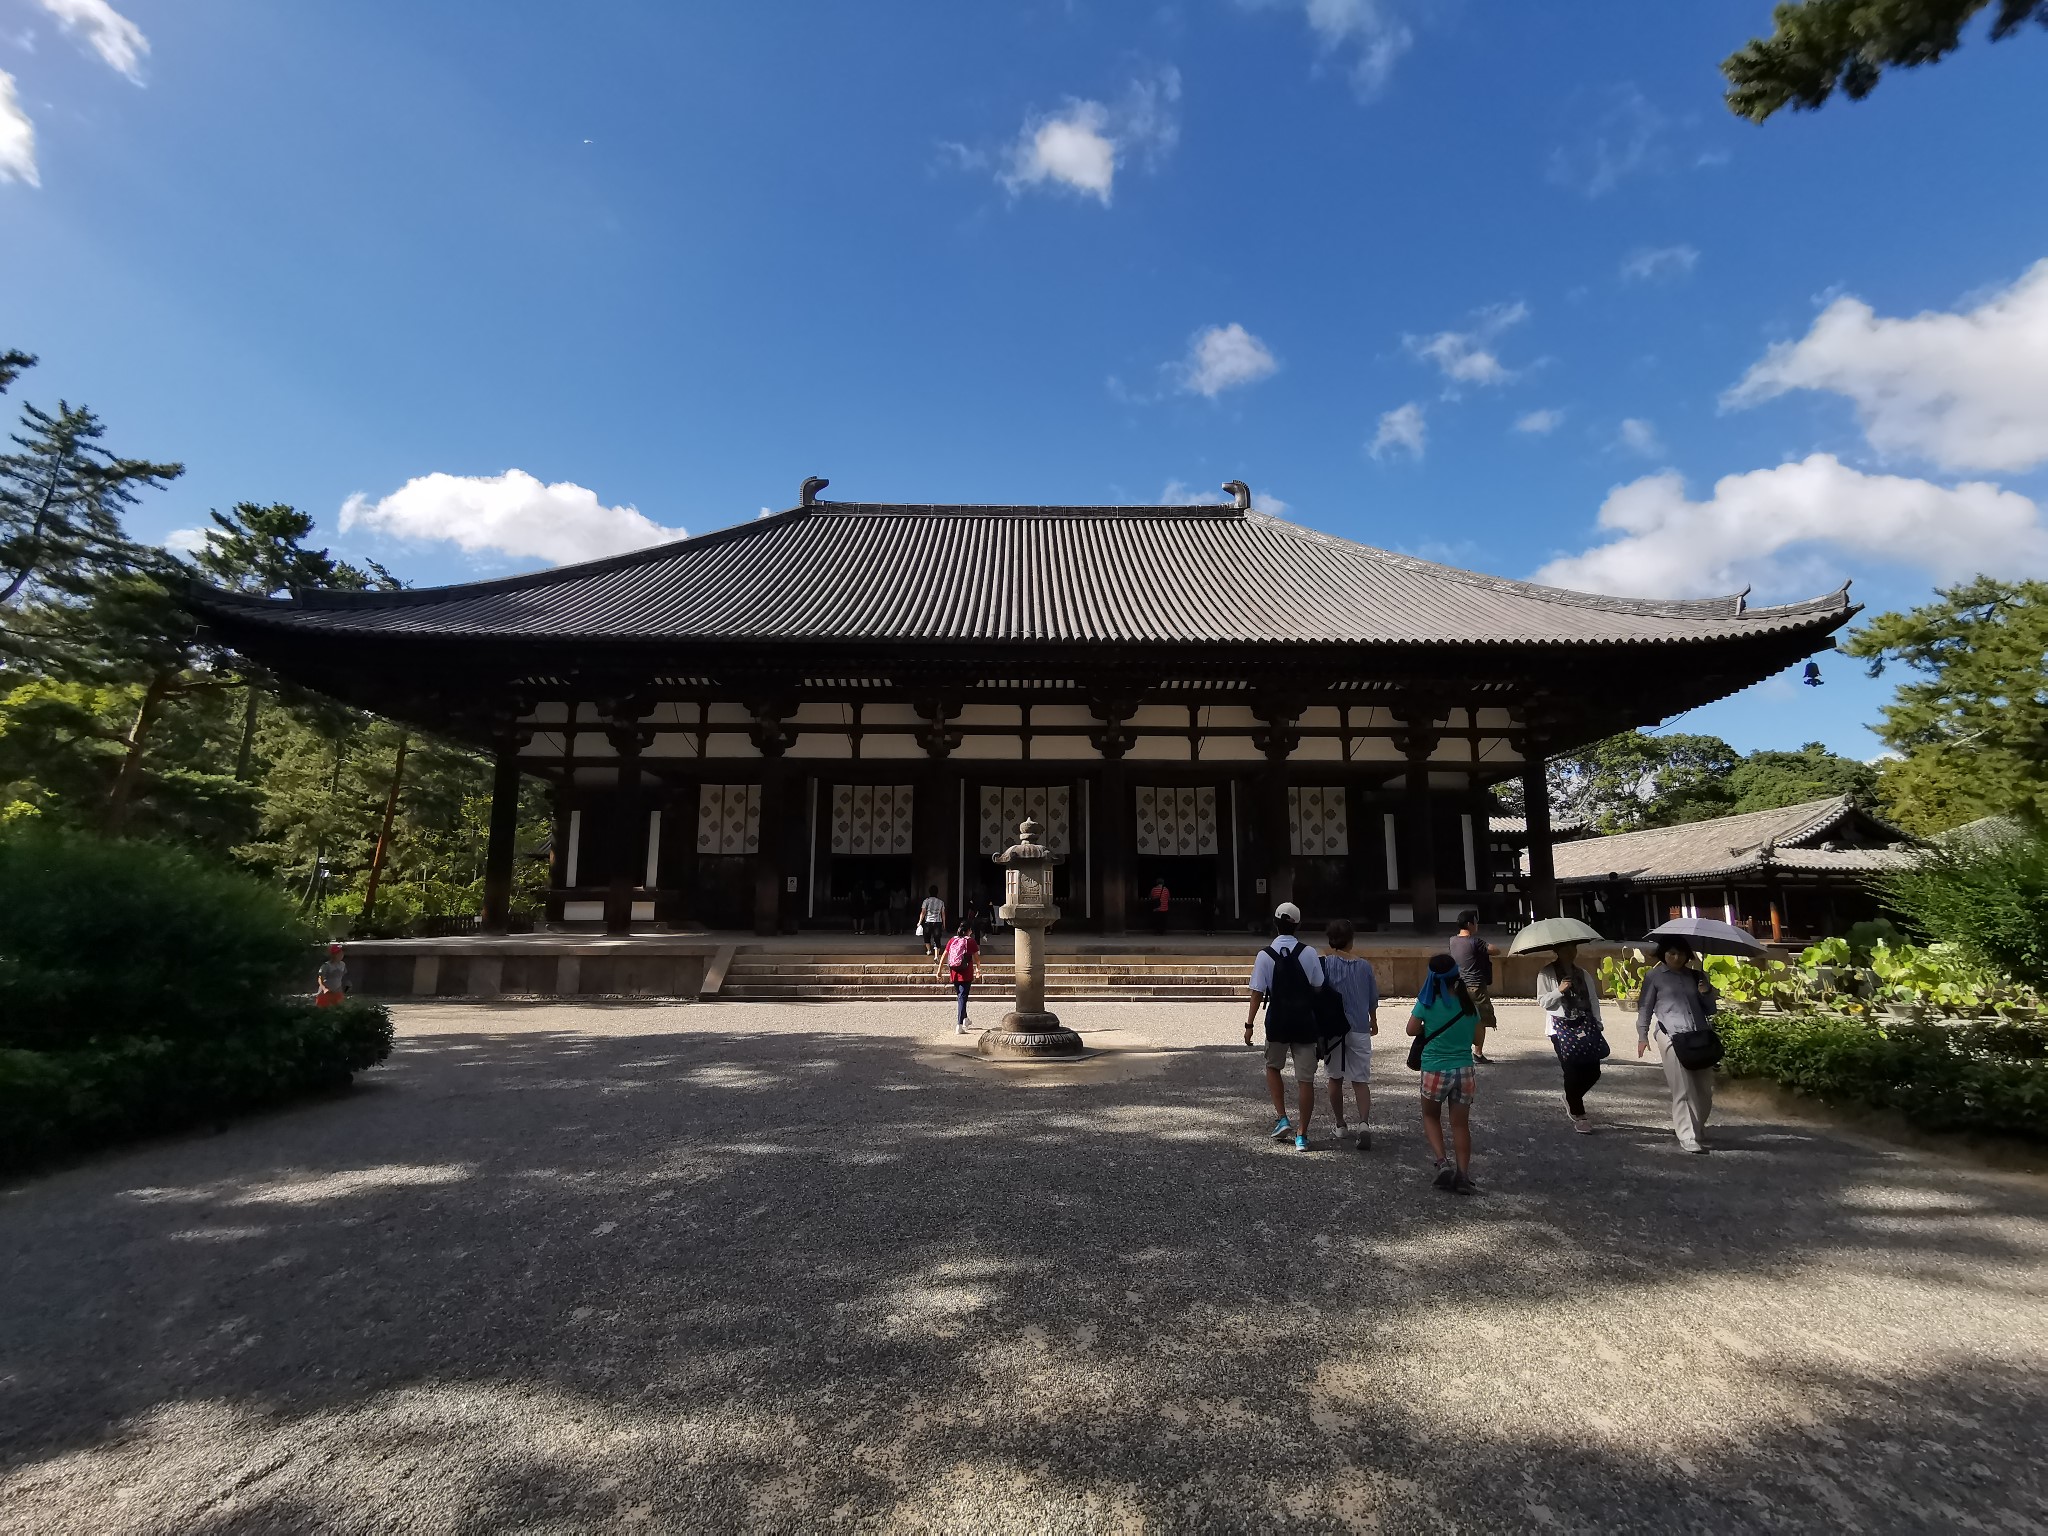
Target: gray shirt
{"x":1679,"y":1000}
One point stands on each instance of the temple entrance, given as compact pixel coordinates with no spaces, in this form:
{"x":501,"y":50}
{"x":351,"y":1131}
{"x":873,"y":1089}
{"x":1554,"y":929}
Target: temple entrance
{"x":1001,"y":809}
{"x":1174,"y":839}
{"x":868,"y":869}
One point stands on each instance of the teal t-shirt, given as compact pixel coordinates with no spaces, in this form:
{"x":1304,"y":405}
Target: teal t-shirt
{"x":1451,"y":1050}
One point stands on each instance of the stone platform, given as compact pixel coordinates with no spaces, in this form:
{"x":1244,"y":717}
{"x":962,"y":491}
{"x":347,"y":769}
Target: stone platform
{"x":816,"y":967}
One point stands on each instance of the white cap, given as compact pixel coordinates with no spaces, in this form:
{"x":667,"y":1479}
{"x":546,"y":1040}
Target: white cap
{"x":1288,"y":911}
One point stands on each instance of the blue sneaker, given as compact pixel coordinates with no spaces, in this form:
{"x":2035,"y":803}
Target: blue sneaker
{"x":1301,"y":1143}
{"x":1283,"y":1127}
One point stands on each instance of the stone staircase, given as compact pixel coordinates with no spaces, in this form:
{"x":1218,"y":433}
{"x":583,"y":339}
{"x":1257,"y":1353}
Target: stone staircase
{"x":768,"y":975}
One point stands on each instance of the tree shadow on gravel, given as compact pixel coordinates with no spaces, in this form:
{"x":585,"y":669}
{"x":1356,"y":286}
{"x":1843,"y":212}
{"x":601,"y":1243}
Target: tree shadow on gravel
{"x":715,"y":1279}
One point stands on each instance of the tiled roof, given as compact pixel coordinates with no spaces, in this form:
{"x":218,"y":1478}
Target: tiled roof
{"x":845,"y":571}
{"x":1731,"y":845}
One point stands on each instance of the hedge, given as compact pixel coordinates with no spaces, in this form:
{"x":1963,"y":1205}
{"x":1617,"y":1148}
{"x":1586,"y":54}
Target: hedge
{"x":54,"y":1103}
{"x":1986,"y":1077}
{"x":102,"y":939}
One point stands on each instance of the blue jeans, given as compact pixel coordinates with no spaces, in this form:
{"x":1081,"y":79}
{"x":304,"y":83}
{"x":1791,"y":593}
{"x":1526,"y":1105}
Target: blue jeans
{"x":960,"y":990}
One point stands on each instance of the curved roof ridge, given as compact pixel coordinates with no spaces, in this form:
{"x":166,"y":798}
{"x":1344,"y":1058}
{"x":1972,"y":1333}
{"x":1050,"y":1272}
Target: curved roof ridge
{"x":1731,"y":606}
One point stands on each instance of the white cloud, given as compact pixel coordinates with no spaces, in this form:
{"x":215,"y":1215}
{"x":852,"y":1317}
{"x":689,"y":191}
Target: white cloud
{"x":1467,"y":357}
{"x":1370,"y":32}
{"x":116,"y":39}
{"x":1627,"y":138}
{"x":1649,"y":263}
{"x":1178,"y":493}
{"x":1540,"y":423}
{"x":1081,"y":146}
{"x":1402,"y":428}
{"x":1639,"y":436}
{"x":185,"y":541}
{"x":511,"y":514}
{"x":1225,"y":357}
{"x":1967,"y":391}
{"x":1786,"y":531}
{"x":17,"y":137}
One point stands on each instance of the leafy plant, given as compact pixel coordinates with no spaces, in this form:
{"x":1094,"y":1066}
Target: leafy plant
{"x":101,"y":939}
{"x":1621,"y":976}
{"x":1987,"y":895}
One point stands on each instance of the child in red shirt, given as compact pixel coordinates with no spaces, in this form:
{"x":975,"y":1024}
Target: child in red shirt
{"x":957,"y":964}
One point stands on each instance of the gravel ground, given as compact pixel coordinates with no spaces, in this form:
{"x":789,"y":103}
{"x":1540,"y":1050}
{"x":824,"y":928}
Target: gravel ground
{"x":734,"y":1266}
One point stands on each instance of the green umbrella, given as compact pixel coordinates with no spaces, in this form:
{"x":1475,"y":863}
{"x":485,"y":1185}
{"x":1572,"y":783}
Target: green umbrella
{"x":1551,"y":932}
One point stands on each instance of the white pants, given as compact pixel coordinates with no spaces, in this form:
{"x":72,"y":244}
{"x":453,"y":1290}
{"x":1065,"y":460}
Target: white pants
{"x":1692,"y":1093}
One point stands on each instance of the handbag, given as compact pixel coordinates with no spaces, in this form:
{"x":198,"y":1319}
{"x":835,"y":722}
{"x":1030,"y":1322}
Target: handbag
{"x":1578,"y":1038}
{"x":1697,"y":1049}
{"x":1415,"y":1046}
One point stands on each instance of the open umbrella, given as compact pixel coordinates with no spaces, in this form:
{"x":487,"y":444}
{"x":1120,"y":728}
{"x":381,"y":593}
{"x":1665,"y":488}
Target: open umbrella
{"x":1708,"y":936}
{"x":1551,"y":932}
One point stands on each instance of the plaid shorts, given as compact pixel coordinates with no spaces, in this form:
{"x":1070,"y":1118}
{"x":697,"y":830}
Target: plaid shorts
{"x":1450,"y":1087}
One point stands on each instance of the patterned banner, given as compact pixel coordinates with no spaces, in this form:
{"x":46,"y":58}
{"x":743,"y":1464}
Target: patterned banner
{"x":1317,"y":822}
{"x":1175,"y":822}
{"x":1003,"y":809}
{"x":872,"y":818}
{"x":729,"y":818}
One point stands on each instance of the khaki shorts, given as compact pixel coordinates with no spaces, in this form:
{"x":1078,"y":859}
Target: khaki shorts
{"x":1482,"y":1000}
{"x":1303,"y":1052}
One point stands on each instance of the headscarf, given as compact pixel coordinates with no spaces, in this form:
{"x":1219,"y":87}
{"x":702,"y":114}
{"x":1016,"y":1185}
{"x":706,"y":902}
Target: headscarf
{"x":1443,"y":973}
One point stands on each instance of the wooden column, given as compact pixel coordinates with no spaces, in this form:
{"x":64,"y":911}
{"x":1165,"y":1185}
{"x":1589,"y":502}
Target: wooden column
{"x":501,"y":851}
{"x":1269,"y":788}
{"x":1111,"y":848}
{"x":1542,"y":885}
{"x":772,"y":737}
{"x":769,"y":858}
{"x":1112,"y":830}
{"x":1418,"y":820}
{"x":629,"y":831}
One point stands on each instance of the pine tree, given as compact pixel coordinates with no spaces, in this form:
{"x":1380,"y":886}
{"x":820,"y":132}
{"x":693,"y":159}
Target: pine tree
{"x":1820,"y":46}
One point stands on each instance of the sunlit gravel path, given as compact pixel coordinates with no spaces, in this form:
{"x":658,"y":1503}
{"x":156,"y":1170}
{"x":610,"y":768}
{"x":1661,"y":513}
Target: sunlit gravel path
{"x":719,"y":1267}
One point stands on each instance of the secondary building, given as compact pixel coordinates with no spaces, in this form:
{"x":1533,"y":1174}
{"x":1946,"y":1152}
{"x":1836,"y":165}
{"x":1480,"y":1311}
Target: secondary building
{"x":828,"y":711}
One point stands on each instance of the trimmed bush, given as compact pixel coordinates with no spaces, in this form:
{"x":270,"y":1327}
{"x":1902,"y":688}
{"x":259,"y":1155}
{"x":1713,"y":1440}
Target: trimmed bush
{"x":1989,"y":1078}
{"x":58,"y":1102}
{"x":105,"y":939}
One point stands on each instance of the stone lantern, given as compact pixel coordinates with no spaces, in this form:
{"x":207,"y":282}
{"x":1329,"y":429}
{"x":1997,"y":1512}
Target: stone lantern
{"x":1028,"y":1030}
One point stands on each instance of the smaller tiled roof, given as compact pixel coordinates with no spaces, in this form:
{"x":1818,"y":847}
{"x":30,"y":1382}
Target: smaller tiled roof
{"x":1518,"y":826}
{"x":1789,"y":837}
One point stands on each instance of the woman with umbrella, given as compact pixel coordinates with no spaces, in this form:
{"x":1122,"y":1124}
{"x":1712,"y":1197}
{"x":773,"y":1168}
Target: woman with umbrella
{"x":1677,"y":1011}
{"x":1567,"y":992}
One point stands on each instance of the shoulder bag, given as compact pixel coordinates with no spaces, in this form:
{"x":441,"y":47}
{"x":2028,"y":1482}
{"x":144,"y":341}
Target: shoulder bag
{"x":1415,"y":1046}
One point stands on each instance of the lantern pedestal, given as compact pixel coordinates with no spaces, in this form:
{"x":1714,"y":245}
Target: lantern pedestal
{"x":1028,"y":1030}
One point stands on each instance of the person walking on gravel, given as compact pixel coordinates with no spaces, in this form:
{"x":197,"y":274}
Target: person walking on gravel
{"x":1475,"y":963}
{"x":1442,"y":1023}
{"x":958,"y":965}
{"x":1354,"y":980}
{"x":1567,"y":992}
{"x":1677,"y":1011}
{"x":1285,"y":977}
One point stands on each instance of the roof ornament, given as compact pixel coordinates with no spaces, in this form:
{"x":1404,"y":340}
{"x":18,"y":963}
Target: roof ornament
{"x":1240,"y":494}
{"x":812,"y":486}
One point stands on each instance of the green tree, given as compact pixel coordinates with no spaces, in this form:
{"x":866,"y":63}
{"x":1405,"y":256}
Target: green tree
{"x":62,"y":493}
{"x":262,"y":550}
{"x":1626,"y":781}
{"x":1822,"y":45}
{"x":1971,"y":725}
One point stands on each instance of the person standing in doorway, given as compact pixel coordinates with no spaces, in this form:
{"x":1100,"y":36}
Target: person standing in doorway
{"x":1679,"y":1001}
{"x":332,"y":980}
{"x":959,"y":965}
{"x":1284,"y":978}
{"x":860,"y":901}
{"x":1354,"y":980}
{"x":931,"y":920}
{"x":1475,"y":965}
{"x":1444,"y":1019}
{"x":1162,"y":904}
{"x":1567,"y":992}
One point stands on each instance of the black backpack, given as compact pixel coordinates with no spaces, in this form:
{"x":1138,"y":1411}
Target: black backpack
{"x":1296,"y":1009}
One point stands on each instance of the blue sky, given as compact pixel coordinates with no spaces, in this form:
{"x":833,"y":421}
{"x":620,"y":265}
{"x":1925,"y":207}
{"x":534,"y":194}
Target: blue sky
{"x":1458,"y":278}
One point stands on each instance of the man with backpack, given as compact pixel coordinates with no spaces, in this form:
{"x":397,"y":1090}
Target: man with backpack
{"x":1287,"y":975}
